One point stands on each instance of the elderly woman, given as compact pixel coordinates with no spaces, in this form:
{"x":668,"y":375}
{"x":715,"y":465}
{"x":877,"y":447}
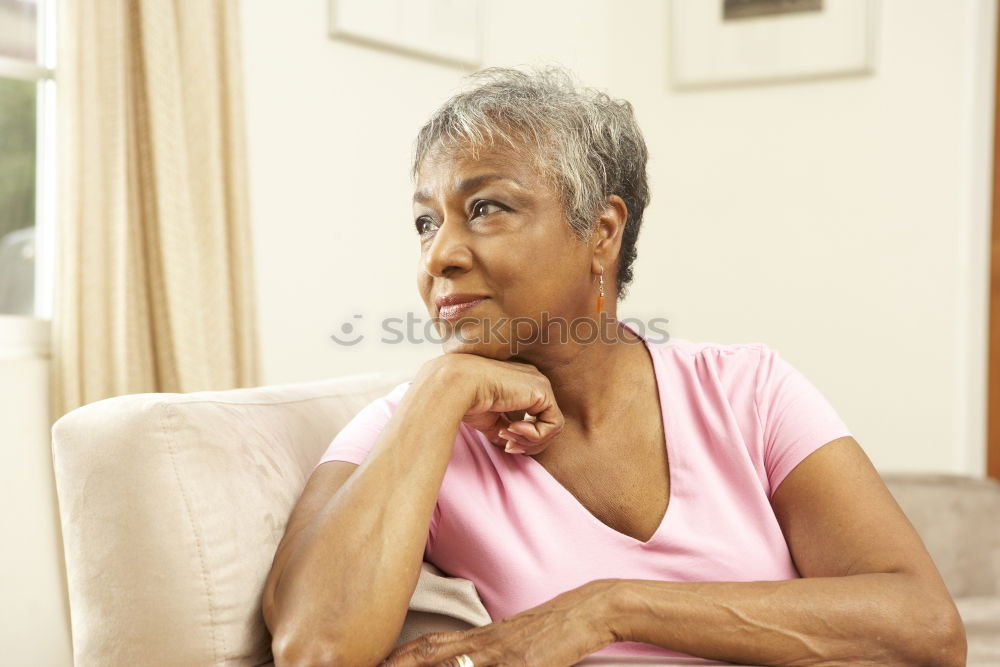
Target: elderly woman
{"x":608,"y":493}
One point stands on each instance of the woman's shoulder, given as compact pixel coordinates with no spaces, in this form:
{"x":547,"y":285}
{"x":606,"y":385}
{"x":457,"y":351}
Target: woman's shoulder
{"x":381,"y":404}
{"x":689,"y":349}
{"x":665,"y":345}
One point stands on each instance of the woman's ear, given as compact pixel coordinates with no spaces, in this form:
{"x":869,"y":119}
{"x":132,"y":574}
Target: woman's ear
{"x":607,"y":238}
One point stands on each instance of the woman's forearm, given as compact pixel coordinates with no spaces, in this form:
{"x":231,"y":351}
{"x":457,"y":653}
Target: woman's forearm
{"x":344,"y":589}
{"x":877,"y":619}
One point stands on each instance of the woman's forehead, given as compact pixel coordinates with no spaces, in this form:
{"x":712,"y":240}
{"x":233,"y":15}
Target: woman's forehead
{"x":451,"y":166}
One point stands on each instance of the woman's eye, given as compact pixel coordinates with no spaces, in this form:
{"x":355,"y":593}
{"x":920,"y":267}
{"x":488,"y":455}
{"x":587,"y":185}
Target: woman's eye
{"x":422,"y":223}
{"x":483,"y":207}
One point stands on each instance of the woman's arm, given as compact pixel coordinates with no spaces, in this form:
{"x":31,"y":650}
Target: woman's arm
{"x":341,"y":580}
{"x":349,"y":561}
{"x":871,"y":593}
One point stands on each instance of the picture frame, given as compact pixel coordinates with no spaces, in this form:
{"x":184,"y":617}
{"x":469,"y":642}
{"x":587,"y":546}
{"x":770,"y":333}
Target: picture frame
{"x":770,"y":45}
{"x":447,"y":32}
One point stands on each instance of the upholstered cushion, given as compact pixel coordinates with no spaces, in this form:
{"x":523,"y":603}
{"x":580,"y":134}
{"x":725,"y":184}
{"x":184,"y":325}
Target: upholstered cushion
{"x":981,"y":616}
{"x":172,"y":507}
{"x":957,"y":518}
{"x":442,"y":604}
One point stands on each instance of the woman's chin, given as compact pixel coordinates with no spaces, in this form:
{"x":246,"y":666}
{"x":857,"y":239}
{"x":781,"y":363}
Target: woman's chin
{"x":455,"y":346}
{"x":470,"y":337}
{"x":492,"y":350}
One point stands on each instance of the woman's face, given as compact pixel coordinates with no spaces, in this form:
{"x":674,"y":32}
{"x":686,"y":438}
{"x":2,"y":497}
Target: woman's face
{"x":494,"y":228}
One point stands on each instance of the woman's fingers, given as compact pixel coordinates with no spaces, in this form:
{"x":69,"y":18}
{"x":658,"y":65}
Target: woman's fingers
{"x":512,"y":438}
{"x":512,"y":433}
{"x":547,"y":421}
{"x":530,"y":444}
{"x":529,"y":428}
{"x":532,"y":433}
{"x":510,"y":398}
{"x":440,"y":648}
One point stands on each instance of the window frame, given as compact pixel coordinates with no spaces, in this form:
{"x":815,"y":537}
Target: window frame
{"x":28,"y":335}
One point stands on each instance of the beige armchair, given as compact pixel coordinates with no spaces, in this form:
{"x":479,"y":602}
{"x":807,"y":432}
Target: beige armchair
{"x":172,"y":506}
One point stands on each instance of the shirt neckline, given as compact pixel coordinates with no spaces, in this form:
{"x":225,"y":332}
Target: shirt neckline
{"x":673,"y":459}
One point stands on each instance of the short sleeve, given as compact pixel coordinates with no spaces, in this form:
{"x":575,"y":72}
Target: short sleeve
{"x":796,"y":419}
{"x":358,"y":436}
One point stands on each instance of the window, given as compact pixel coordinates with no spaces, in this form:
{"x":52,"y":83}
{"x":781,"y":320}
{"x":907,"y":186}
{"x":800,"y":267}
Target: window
{"x":27,"y":151}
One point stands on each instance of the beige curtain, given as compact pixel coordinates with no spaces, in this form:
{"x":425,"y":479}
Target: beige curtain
{"x":154,"y":288}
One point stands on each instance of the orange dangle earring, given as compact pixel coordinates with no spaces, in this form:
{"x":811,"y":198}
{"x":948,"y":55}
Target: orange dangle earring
{"x":600,"y":297}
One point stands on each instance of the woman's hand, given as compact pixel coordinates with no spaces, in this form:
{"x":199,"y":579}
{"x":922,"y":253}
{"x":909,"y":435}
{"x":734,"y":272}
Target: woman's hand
{"x":508,"y":401}
{"x":557,"y":633}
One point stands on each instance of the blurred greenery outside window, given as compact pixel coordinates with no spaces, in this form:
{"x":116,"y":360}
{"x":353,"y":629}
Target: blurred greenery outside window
{"x":27,"y":96}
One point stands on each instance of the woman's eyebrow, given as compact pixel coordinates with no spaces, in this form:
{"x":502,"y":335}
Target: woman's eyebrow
{"x":468,"y":184}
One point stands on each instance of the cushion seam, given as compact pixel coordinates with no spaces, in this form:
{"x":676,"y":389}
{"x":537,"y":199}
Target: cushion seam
{"x":197,"y":537}
{"x":351,"y":391}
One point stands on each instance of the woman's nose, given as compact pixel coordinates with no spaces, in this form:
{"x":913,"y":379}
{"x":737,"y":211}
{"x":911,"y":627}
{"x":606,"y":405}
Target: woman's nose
{"x":448,"y":250}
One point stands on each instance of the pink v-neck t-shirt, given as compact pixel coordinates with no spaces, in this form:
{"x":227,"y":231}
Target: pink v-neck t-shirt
{"x":737,"y":419}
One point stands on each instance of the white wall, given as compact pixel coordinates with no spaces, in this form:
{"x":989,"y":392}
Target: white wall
{"x":843,"y":222}
{"x":34,"y":616}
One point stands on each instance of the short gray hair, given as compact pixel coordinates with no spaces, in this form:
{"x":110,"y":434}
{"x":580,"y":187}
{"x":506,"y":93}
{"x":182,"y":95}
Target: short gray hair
{"x":586,"y":142}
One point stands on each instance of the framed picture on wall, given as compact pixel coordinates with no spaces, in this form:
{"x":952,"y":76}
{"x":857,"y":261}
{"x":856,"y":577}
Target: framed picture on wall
{"x":444,"y":31}
{"x":738,"y":42}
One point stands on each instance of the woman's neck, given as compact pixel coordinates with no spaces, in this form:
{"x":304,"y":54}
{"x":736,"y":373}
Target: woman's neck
{"x":594,"y":383}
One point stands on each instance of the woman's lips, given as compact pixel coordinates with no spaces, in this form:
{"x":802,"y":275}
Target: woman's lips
{"x":453,"y":312}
